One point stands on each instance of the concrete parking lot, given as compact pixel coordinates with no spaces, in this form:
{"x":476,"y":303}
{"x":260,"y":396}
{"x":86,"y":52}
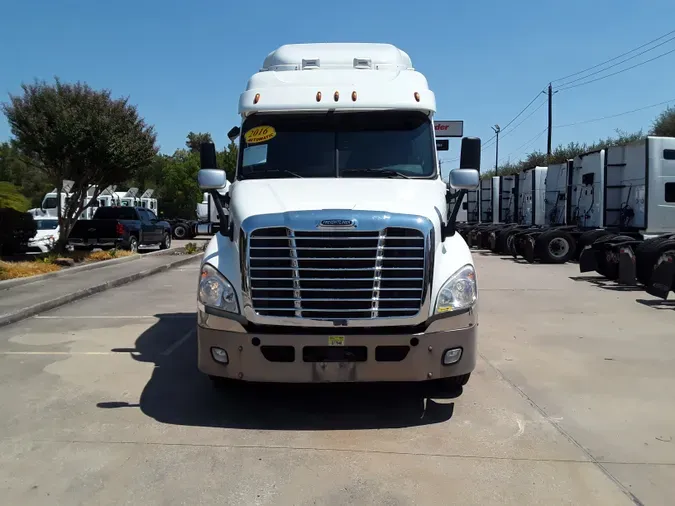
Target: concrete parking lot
{"x":572,"y":402}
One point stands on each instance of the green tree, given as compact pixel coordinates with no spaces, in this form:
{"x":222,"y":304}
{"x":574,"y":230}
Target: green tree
{"x":29,"y":181}
{"x":72,"y":132}
{"x":12,"y":198}
{"x":194,"y":140}
{"x":664,"y":124}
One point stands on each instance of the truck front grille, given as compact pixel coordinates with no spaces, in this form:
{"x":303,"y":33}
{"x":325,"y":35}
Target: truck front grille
{"x":337,"y":275}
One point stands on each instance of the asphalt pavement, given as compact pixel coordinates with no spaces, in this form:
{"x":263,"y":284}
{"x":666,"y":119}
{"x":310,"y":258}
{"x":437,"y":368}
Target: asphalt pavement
{"x":572,"y":402}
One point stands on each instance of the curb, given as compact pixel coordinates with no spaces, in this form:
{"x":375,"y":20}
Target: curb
{"x":10,"y":283}
{"x":86,"y":292}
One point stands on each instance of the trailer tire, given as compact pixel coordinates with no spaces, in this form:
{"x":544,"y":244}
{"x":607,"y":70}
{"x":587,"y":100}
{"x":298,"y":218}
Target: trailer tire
{"x":555,"y":247}
{"x":646,"y":256}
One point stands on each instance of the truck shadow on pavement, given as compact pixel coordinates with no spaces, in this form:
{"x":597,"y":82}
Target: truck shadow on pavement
{"x":179,"y":394}
{"x":657,"y":303}
{"x":607,"y":284}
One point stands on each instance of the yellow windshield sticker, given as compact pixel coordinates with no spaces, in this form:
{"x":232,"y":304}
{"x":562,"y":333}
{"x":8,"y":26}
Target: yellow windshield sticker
{"x":336,"y":340}
{"x":260,"y":134}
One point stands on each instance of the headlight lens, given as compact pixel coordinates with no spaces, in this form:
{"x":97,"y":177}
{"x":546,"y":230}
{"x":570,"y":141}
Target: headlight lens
{"x":215,"y":291}
{"x":458,"y":292}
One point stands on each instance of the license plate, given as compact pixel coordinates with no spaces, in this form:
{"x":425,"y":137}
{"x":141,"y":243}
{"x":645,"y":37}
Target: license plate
{"x":336,"y":340}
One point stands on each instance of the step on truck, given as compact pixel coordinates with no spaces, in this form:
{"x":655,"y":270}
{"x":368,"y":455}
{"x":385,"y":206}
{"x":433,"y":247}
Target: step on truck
{"x":637,"y":244}
{"x":337,"y":257}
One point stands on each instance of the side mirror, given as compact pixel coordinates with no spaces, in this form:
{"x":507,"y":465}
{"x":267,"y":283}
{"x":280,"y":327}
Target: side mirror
{"x":234,"y":133}
{"x":464,"y":179}
{"x":211,"y":179}
{"x":207,"y":156}
{"x":469,"y":157}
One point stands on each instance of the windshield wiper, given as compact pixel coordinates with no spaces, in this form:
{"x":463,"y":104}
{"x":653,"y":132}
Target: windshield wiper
{"x":262,"y":174}
{"x":383,"y":172}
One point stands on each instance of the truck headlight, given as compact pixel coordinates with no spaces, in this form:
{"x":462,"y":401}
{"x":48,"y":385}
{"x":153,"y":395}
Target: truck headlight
{"x":215,"y":291}
{"x":458,"y":292}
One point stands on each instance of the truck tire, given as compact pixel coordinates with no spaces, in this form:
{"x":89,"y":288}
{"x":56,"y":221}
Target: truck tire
{"x":133,"y":244}
{"x":646,"y":256}
{"x":606,"y":267}
{"x":587,"y":238}
{"x":180,"y":231}
{"x":555,"y":247}
{"x":166,"y":241}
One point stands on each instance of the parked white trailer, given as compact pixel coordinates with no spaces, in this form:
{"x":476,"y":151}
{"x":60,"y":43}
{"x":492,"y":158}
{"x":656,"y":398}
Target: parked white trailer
{"x":531,"y":196}
{"x":485,"y":199}
{"x":558,"y":182}
{"x":587,"y":194}
{"x":639,"y":214}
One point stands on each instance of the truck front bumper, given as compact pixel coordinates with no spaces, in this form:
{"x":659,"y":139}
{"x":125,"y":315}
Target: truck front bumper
{"x":336,"y":357}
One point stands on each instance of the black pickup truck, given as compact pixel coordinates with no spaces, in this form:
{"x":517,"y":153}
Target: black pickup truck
{"x":120,"y":227}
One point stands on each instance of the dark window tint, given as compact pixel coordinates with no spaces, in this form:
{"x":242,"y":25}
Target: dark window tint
{"x":151,"y":215}
{"x":312,"y":145}
{"x":669,"y":154}
{"x":115,"y":213}
{"x":49,"y":203}
{"x":47,"y":224}
{"x":670,"y":192}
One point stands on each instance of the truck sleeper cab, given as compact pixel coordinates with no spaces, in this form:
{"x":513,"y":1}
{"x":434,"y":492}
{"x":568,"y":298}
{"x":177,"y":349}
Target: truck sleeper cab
{"x":337,"y":258}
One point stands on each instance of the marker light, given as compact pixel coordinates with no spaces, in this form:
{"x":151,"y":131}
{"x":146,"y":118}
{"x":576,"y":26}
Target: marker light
{"x":353,"y":96}
{"x":318,"y":96}
{"x":336,"y":96}
{"x":257,"y":98}
{"x":417,"y":96}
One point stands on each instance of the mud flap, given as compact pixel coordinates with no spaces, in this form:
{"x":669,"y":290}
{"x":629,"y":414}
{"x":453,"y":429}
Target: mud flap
{"x":528,"y":248}
{"x":627,"y":275}
{"x":662,"y":277}
{"x":587,"y":260}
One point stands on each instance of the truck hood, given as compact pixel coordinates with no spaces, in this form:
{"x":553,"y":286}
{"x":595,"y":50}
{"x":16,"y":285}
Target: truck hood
{"x":405,"y":196}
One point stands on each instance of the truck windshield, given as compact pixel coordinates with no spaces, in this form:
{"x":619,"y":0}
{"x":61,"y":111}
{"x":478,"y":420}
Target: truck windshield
{"x":349,"y":144}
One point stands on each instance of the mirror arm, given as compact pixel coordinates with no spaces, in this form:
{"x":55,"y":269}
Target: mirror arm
{"x":225,"y":229}
{"x":448,"y":229}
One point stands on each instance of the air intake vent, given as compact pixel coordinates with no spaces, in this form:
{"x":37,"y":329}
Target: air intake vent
{"x":363,"y":63}
{"x":313,"y":63}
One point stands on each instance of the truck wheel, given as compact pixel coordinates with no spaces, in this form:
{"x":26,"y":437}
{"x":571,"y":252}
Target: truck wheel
{"x":646,"y":256}
{"x":180,"y":231}
{"x":555,"y":247}
{"x":166,"y":241}
{"x":587,"y":238}
{"x":133,"y":244}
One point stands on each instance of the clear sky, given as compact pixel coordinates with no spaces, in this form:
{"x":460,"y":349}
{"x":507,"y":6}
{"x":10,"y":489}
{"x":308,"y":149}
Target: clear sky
{"x":184,"y":64}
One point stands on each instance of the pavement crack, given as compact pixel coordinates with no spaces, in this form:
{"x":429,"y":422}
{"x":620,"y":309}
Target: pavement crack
{"x":600,"y":464}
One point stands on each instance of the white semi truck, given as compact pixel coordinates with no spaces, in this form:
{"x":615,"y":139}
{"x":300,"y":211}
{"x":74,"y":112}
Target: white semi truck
{"x":337,"y":257}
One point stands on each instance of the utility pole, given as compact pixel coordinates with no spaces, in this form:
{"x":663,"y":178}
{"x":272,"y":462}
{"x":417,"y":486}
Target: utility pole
{"x":497,"y":130}
{"x":550,"y":122}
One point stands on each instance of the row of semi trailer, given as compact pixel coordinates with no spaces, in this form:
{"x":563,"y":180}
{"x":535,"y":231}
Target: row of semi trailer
{"x":612,"y":210}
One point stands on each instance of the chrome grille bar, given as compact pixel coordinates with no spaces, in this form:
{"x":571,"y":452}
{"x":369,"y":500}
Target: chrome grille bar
{"x":313,"y":274}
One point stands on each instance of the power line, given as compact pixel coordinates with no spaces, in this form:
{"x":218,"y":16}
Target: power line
{"x":615,"y":64}
{"x":527,"y":143}
{"x":524,"y":109}
{"x":618,"y":72}
{"x":615,"y":115}
{"x":525,"y":118}
{"x":615,"y":58}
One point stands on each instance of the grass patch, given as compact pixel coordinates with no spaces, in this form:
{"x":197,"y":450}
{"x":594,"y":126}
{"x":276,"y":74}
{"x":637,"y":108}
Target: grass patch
{"x":11,"y":270}
{"x":97,"y":256}
{"x":52,"y":262}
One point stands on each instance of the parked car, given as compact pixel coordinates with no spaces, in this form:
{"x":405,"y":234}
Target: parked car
{"x":128,"y":228}
{"x":46,"y":236}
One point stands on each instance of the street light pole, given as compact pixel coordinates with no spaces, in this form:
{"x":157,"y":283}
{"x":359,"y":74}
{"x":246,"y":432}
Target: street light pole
{"x":497,"y":130}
